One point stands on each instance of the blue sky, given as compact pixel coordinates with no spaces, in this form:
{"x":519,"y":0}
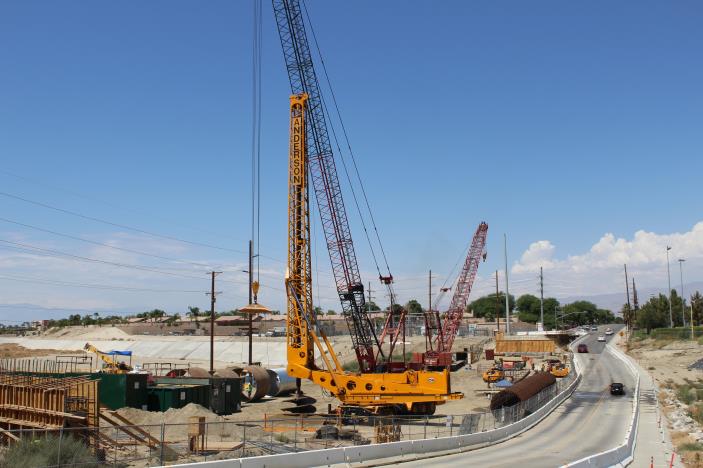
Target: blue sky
{"x":553,"y":121}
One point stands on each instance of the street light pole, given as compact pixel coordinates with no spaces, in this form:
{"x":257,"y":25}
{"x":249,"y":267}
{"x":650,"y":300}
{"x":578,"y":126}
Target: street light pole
{"x":683,"y":307}
{"x":507,"y":293}
{"x":668,"y":275}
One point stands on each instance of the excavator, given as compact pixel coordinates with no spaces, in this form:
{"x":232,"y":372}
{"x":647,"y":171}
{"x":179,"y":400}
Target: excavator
{"x":110,"y":364}
{"x":377,"y":386}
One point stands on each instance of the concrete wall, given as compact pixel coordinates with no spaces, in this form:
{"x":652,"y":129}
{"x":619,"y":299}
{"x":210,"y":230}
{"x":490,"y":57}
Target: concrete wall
{"x":270,"y":353}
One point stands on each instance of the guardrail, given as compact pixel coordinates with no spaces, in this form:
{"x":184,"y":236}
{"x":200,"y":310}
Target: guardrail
{"x":405,"y":450}
{"x":622,"y":455}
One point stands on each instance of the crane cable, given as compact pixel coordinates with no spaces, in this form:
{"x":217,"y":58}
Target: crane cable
{"x":256,"y":134}
{"x":351,"y":153}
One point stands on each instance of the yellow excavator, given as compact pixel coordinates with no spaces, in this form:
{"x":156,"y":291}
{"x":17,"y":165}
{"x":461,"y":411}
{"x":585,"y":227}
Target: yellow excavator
{"x":110,"y":364}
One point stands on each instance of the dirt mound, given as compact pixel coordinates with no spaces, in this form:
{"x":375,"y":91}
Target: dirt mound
{"x":92,"y":332}
{"x":171,"y":416}
{"x":13,"y":350}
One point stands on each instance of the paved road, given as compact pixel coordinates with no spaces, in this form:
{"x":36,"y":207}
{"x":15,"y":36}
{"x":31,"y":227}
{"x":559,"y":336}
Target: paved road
{"x":590,"y":421}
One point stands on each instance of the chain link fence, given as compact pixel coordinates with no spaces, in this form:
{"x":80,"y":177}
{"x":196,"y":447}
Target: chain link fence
{"x":198,"y":440}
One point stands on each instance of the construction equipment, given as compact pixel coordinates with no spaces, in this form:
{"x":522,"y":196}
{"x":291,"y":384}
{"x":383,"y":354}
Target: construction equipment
{"x":493,"y":375}
{"x":110,"y":364}
{"x":557,"y":368}
{"x":311,"y":158}
{"x":440,"y":354}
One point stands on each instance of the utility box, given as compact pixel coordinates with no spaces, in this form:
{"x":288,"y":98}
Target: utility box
{"x":162,"y":397}
{"x":223,"y":395}
{"x":123,"y":390}
{"x":226,"y":396}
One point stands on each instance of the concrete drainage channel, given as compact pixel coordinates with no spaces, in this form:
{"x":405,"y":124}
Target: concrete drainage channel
{"x":622,"y":455}
{"x":378,"y":454}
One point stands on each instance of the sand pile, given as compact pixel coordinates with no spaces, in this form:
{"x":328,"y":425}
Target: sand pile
{"x":13,"y":350}
{"x":172,"y":416}
{"x":93,"y":332}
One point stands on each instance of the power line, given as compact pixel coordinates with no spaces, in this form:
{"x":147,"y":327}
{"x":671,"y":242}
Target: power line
{"x":29,"y":279}
{"x":121,"y":226}
{"x":58,"y":254}
{"x":56,"y":233}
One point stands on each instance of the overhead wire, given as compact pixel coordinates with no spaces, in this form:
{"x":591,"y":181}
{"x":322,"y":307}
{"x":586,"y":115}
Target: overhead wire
{"x":52,"y":282}
{"x":33,"y":249}
{"x":124,"y":249}
{"x":346,"y":137}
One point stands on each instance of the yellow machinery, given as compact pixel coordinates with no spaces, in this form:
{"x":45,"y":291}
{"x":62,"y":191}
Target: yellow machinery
{"x":493,"y":375}
{"x":376,"y":389}
{"x":558,"y":369}
{"x":110,"y":364}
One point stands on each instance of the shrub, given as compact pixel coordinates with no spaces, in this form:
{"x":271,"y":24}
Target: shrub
{"x":46,"y":451}
{"x":691,"y":447}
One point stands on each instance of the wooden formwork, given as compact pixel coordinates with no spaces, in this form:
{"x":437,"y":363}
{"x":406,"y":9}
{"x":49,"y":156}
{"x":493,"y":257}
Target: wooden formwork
{"x":524,"y":345}
{"x":38,"y":402}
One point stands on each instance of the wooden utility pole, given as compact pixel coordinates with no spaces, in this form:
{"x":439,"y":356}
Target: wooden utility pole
{"x":212,"y":294}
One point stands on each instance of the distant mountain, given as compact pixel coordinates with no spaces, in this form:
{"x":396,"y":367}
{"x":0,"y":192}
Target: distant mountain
{"x":614,"y":301}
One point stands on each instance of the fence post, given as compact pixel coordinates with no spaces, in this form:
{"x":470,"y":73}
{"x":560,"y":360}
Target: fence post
{"x":295,"y":434}
{"x":161,"y":451}
{"x":58,"y":457}
{"x":425,"y":436}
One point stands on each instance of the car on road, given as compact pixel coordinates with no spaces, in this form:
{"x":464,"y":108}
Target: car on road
{"x":608,"y":331}
{"x":594,"y":328}
{"x":582,"y":348}
{"x":616,"y":388}
{"x":601,"y":338}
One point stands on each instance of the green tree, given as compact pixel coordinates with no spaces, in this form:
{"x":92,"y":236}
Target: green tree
{"x":318,"y":311}
{"x":372,"y":307}
{"x":413,"y":307}
{"x":528,"y":307}
{"x":487,"y":306}
{"x":193,"y":313}
{"x":697,"y":303}
{"x":331,"y":312}
{"x":654,"y":314}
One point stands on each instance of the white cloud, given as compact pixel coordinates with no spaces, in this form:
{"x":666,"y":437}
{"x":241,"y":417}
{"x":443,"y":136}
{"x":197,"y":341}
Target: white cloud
{"x":600,"y":269}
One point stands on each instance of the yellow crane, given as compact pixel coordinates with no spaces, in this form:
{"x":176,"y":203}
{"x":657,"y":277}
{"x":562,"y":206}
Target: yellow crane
{"x":110,"y":364}
{"x":414,"y":391}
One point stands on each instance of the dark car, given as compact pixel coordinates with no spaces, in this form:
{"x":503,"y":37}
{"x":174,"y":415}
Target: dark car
{"x":582,"y":348}
{"x":617,"y":388}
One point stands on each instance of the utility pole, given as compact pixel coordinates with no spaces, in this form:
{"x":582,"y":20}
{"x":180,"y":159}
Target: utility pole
{"x":627,"y":293}
{"x":507,"y":293}
{"x":668,"y":275}
{"x":429,"y":297}
{"x":635,"y":301}
{"x":497,"y":304}
{"x":212,"y":295}
{"x":541,"y":297}
{"x":370,"y":297}
{"x":251,"y":300}
{"x":683,"y":307}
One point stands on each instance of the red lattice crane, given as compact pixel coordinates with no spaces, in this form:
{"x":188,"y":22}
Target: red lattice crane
{"x":440,"y":355}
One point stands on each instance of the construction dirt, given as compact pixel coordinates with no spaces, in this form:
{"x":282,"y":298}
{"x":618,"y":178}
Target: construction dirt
{"x":11,"y":351}
{"x":674,"y":365}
